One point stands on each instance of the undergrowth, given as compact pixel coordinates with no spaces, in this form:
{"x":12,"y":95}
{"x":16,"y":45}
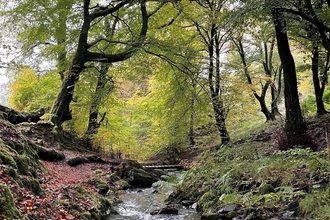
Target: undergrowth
{"x":267,"y":184}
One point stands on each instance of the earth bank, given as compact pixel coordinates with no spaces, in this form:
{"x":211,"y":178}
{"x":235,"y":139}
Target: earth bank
{"x":38,"y":179}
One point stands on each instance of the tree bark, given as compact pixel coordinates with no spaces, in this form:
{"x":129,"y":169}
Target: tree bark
{"x":316,"y":81}
{"x":16,"y":117}
{"x":99,"y":94}
{"x":60,"y":111}
{"x":294,"y":123}
{"x":220,"y":112}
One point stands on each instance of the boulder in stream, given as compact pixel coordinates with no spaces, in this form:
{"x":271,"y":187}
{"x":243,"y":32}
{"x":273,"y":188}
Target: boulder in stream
{"x":167,"y":210}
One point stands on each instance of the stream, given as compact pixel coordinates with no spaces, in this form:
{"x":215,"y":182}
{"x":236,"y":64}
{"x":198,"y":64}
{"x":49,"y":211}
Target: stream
{"x":138,"y":203}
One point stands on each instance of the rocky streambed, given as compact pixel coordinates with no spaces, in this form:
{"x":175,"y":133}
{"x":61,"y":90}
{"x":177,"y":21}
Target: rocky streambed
{"x":149,"y":203}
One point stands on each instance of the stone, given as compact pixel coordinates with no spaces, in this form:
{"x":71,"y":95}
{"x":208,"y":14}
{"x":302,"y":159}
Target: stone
{"x":293,"y":206}
{"x":100,"y":184}
{"x":210,"y":216}
{"x":138,"y":177}
{"x":167,"y":210}
{"x":76,"y":161}
{"x":229,"y":208}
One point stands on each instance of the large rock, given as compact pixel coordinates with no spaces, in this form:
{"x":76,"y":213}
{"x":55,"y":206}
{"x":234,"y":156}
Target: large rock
{"x":138,"y":177}
{"x":135,"y":175}
{"x":167,"y":210}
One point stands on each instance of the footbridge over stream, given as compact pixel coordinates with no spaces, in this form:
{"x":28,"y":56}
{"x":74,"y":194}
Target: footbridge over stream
{"x":167,"y":167}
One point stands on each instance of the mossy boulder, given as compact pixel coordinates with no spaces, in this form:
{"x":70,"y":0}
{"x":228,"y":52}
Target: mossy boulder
{"x":138,"y":177}
{"x":167,"y":210}
{"x":113,"y":177}
{"x":75,"y":161}
{"x":206,"y":201}
{"x":32,"y":184}
{"x":7,"y":157}
{"x":102,"y":210}
{"x":102,"y":186}
{"x":50,"y":155}
{"x":122,"y":184}
{"x":8,"y":209}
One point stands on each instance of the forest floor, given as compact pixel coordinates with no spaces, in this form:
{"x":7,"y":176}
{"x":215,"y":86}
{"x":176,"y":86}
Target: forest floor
{"x":57,"y":177}
{"x":252,"y":179}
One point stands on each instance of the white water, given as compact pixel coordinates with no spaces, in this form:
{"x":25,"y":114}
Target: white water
{"x":139,"y":203}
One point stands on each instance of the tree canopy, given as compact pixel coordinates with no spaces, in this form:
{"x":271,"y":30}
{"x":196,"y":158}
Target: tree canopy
{"x":132,"y":75}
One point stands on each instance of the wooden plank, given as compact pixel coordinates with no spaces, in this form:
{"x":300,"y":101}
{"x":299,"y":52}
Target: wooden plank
{"x":175,"y":166}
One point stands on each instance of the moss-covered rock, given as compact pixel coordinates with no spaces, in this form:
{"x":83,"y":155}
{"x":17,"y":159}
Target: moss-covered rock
{"x":102,"y":210}
{"x":6,"y":156}
{"x":138,"y":177}
{"x":122,"y":184}
{"x":50,"y":155}
{"x":113,"y":177}
{"x":8,"y":209}
{"x":205,"y":202}
{"x":99,"y":172}
{"x":167,"y":210}
{"x":76,"y":161}
{"x":102,"y":186}
{"x":32,"y":184}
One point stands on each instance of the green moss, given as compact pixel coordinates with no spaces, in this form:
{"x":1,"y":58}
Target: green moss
{"x":8,"y":209}
{"x":99,"y":172}
{"x":123,"y":184}
{"x":112,"y":191}
{"x":7,"y":157}
{"x":79,"y":191}
{"x":32,"y":184}
{"x":87,"y":215}
{"x":113,"y":177}
{"x":62,"y":203}
{"x":22,"y":162}
{"x":100,"y":184}
{"x":266,"y":189}
{"x":206,"y":201}
{"x":102,"y":210}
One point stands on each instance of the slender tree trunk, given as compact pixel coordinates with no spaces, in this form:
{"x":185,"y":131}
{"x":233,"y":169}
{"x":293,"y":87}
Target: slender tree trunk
{"x":294,"y":123}
{"x":316,"y":81}
{"x":191,"y":124}
{"x":220,"y":112}
{"x":276,"y":91}
{"x":261,"y":99}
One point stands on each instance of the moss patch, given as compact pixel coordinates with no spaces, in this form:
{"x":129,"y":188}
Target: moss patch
{"x":32,"y":184}
{"x":102,"y":186}
{"x":8,"y":209}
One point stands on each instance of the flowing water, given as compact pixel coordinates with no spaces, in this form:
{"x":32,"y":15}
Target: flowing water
{"x":138,"y":203}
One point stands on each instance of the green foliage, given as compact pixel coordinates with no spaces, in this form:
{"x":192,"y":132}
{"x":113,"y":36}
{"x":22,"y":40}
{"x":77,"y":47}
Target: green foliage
{"x":29,"y":91}
{"x":316,"y":205}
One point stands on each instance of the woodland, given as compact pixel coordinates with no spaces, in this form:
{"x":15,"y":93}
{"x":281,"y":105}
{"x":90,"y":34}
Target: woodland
{"x":237,"y":89}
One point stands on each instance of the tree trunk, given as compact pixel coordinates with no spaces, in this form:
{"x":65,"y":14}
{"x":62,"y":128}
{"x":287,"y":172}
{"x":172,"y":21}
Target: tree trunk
{"x":191,"y":135}
{"x":220,"y":112}
{"x":316,"y":81}
{"x":261,"y":99}
{"x":294,"y":123}
{"x":276,"y":91}
{"x":100,"y":93}
{"x":220,"y":118}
